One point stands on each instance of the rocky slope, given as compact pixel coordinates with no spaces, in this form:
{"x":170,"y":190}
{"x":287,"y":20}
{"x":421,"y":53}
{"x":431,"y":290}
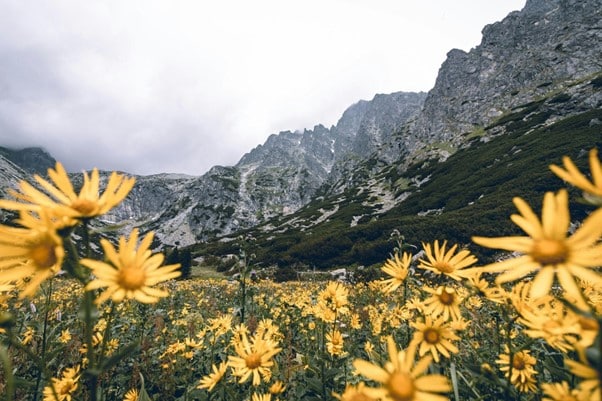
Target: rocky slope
{"x":273,"y":179}
{"x":529,"y":54}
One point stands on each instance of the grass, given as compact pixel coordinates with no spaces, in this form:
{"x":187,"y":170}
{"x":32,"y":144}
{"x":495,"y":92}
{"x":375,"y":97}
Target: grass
{"x":206,"y":273}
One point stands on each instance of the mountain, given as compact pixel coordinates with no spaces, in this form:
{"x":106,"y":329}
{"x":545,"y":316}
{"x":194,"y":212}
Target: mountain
{"x":528,"y":55}
{"x":31,"y":160}
{"x":17,"y":165}
{"x":528,"y":94}
{"x":430,"y":165}
{"x":273,"y":179}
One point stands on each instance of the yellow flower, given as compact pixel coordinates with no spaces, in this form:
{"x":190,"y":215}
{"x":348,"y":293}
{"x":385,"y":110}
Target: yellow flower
{"x":571,"y":174}
{"x":561,"y":392}
{"x":65,"y":336}
{"x":131,"y":395}
{"x":268,"y":330}
{"x":261,"y":397}
{"x":334,"y":343}
{"x":131,"y":272}
{"x":209,"y":381}
{"x":277,"y":388}
{"x":401,"y":379}
{"x":590,"y":385}
{"x":221,"y":325}
{"x":553,"y":322}
{"x":28,"y":336}
{"x":494,"y":294}
{"x":547,"y":249}
{"x":356,"y":322}
{"x":253,"y":358}
{"x":64,"y":387}
{"x":334,"y":296}
{"x":440,"y":261}
{"x":444,"y":301}
{"x":521,"y":371}
{"x":474,"y":302}
{"x":34,"y":251}
{"x":398,"y":270}
{"x":434,"y":337}
{"x":369,"y":348}
{"x":61,"y":198}
{"x":354,"y":393}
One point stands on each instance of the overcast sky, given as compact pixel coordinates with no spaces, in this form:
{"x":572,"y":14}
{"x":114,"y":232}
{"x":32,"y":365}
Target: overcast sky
{"x":182,"y":85}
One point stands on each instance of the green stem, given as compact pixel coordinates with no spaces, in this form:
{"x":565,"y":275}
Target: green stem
{"x":8,"y":374}
{"x":510,"y":322}
{"x":323,"y":352}
{"x":44,"y":336}
{"x":243,"y":284}
{"x":36,"y":359}
{"x":88,"y":337}
{"x":88,"y":313}
{"x":86,"y":237}
{"x":106,"y":335}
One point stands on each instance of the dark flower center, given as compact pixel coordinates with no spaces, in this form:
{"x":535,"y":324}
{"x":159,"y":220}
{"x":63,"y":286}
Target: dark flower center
{"x":253,"y":360}
{"x":43,"y":255}
{"x":446,"y":297}
{"x":431,"y":336}
{"x":549,"y":251}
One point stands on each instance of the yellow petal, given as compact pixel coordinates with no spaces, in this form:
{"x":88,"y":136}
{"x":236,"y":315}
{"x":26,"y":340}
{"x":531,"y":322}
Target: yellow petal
{"x":371,"y":371}
{"x":61,"y":180}
{"x":528,"y":214}
{"x":517,"y":272}
{"x":542,"y":283}
{"x":595,"y":169}
{"x":568,"y":284}
{"x":589,"y":232}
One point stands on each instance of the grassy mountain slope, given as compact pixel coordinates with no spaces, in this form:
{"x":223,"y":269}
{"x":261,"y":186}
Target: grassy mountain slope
{"x":468,"y":194}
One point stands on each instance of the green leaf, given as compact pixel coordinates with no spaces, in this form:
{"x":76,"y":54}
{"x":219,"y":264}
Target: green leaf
{"x":143,"y":395}
{"x":115,"y":358}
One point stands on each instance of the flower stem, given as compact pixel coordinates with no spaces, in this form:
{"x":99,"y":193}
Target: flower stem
{"x":44,"y":334}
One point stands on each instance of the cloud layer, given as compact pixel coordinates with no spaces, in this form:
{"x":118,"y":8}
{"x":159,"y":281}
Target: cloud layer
{"x":155,"y":86}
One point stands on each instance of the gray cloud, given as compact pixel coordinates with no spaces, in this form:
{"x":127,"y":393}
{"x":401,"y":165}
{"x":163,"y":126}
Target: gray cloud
{"x":152,"y":86}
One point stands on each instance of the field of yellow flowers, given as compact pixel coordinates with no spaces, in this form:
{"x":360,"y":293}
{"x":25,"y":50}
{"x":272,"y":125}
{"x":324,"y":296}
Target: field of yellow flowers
{"x":441,"y":326}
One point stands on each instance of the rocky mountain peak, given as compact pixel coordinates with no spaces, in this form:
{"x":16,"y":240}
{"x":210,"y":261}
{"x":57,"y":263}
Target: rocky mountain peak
{"x":33,"y":160}
{"x":528,"y":54}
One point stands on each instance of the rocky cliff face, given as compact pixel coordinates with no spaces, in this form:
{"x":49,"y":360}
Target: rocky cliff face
{"x":10,"y":175}
{"x":274,"y":179}
{"x":32,"y":160}
{"x":527,"y":55}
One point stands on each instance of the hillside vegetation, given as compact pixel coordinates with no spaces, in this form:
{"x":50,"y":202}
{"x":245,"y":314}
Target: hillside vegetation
{"x":468,"y":194}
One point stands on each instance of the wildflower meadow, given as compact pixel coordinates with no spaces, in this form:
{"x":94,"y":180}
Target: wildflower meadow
{"x":83,"y":317}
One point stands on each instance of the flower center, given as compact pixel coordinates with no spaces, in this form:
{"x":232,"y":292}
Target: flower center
{"x":549,"y":251}
{"x":43,"y":255}
{"x":444,"y":267}
{"x":253,"y":360}
{"x":431,"y":336}
{"x":84,"y":206}
{"x":446,"y":297}
{"x":131,"y":278}
{"x":518,"y":362}
{"x":401,"y":387}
